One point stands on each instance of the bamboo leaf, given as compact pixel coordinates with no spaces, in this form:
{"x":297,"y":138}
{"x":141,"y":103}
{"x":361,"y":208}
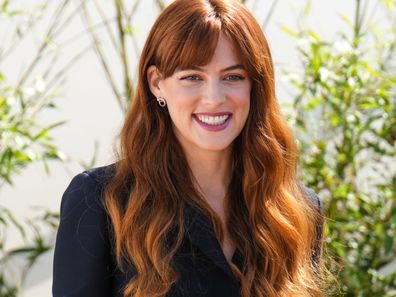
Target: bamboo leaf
{"x":289,"y":31}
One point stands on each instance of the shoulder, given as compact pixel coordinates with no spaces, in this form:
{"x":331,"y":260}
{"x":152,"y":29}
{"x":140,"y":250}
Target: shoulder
{"x":83,"y":259}
{"x":312,"y":197}
{"x":101,"y":175}
{"x":317,"y":203}
{"x":86,"y":190}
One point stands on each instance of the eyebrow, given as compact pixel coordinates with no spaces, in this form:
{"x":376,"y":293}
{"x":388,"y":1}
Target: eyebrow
{"x":229,"y":68}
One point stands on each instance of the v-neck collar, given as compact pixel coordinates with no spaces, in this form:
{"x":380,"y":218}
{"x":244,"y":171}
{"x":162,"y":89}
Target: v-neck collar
{"x":200,"y":231}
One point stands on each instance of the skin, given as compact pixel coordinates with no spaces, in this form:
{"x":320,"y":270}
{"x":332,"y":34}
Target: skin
{"x":222,"y":86}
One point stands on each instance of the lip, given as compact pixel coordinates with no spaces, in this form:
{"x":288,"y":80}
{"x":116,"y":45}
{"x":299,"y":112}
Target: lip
{"x":213,"y":128}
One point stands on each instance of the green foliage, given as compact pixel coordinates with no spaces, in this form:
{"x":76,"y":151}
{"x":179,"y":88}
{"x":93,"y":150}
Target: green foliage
{"x":345,"y":120}
{"x":33,"y":245}
{"x":25,"y":139}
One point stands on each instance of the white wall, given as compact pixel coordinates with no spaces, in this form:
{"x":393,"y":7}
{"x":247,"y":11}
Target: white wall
{"x":90,"y":108}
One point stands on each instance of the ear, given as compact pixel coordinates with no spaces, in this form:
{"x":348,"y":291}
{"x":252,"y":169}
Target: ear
{"x":153,"y":79}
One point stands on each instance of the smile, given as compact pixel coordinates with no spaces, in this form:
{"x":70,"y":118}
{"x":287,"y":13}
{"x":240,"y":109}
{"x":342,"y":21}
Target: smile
{"x":213,"y":120}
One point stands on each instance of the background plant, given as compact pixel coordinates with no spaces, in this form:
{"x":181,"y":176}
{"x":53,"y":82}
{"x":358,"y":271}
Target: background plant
{"x":24,"y":138}
{"x":344,"y":114}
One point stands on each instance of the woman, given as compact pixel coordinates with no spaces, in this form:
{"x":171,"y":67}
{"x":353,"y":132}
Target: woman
{"x":203,"y":199}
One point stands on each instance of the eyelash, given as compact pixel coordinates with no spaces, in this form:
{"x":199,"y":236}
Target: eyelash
{"x":190,"y":76}
{"x":196,"y":77}
{"x":238,"y":77}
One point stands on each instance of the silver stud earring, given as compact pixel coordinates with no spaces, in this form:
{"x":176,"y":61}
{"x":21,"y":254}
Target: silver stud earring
{"x":161,"y":101}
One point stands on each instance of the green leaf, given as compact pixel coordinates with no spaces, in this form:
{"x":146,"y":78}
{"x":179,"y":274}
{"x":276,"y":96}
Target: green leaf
{"x":54,"y":154}
{"x":22,"y":250}
{"x":343,"y":189}
{"x":340,"y":248}
{"x":6,"y":213}
{"x":335,"y":120}
{"x":347,"y":21}
{"x":51,"y":105}
{"x":2,"y":102}
{"x":390,"y":4}
{"x":43,"y":133}
{"x":21,"y":156}
{"x":393,"y":221}
{"x":388,"y":244}
{"x":314,"y":36}
{"x":4,"y":7}
{"x":313,"y":103}
{"x":307,"y":8}
{"x":289,"y":31}
{"x":129,"y":30}
{"x":15,"y":12}
{"x":367,"y":105}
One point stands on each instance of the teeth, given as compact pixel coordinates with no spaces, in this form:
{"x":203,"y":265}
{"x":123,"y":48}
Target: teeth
{"x":210,"y":120}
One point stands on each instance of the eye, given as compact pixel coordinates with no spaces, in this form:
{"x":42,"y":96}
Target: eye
{"x":191,"y":77}
{"x":234,"y":77}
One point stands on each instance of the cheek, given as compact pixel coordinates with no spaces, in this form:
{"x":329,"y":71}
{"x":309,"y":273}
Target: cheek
{"x":242,"y":98}
{"x":180,"y":108}
{"x":243,"y":103}
{"x":182,"y":100}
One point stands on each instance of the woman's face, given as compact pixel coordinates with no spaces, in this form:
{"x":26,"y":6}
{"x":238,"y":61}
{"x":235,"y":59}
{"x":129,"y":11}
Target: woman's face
{"x":208,"y":105}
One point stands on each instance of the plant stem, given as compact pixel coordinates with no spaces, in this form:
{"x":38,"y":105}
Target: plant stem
{"x":45,"y":43}
{"x":107,"y":26}
{"x":101,"y":56}
{"x":269,"y":15}
{"x":357,"y":25}
{"x":123,"y":50}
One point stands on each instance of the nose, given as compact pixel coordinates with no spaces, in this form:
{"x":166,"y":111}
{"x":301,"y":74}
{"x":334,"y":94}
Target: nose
{"x":213,"y":94}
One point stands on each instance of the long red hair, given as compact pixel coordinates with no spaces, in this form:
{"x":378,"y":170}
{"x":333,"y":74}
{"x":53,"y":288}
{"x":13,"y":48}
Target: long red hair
{"x":271,"y":222}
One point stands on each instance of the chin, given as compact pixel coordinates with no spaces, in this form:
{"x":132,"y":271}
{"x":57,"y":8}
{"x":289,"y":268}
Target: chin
{"x":215,"y":147}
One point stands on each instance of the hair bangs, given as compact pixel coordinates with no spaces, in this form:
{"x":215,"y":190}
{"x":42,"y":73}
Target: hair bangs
{"x":191,"y":45}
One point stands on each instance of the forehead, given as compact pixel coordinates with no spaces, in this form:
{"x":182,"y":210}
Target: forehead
{"x":225,"y":57}
{"x":225,"y":51}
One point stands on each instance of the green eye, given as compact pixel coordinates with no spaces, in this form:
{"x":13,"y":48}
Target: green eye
{"x":191,"y":77}
{"x":234,"y":77}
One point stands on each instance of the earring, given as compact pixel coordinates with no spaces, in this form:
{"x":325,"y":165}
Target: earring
{"x":161,"y":101}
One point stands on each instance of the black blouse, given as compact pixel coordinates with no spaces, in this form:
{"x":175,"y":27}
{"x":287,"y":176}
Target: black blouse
{"x":84,"y":262}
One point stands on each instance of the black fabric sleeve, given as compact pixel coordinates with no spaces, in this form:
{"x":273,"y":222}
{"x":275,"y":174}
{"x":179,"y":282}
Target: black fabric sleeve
{"x":317,"y":202}
{"x":313,"y":197}
{"x":82,"y":251}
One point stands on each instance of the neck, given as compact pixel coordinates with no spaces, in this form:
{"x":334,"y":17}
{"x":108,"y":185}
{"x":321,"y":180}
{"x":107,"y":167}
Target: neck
{"x":212,"y":173}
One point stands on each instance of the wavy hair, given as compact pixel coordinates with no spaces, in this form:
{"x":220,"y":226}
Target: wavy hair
{"x":272,"y":223}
